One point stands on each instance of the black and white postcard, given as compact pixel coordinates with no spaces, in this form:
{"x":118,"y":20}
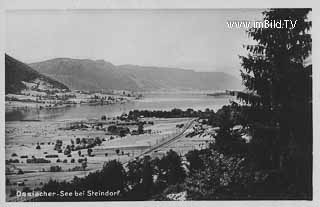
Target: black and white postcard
{"x":118,"y":105}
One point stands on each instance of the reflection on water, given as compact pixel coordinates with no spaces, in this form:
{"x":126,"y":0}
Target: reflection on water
{"x":150,"y":102}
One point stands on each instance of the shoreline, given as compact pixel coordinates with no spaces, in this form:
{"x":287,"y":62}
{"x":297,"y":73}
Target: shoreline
{"x":32,"y":105}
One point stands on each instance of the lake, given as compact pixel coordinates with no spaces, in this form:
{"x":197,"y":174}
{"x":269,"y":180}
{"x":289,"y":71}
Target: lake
{"x":149,"y":102}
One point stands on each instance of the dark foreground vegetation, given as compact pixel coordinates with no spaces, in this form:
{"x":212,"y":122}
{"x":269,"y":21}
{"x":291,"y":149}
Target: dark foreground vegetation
{"x":276,"y":112}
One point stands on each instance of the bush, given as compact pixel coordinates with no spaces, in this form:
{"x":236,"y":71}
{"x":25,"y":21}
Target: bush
{"x":51,"y":156}
{"x":58,"y":145}
{"x":12,"y":161}
{"x":89,"y":151}
{"x":55,"y":169}
{"x":67,"y":150}
{"x":38,"y":160}
{"x":224,"y":177}
{"x":172,"y":169}
{"x":76,"y":168}
{"x":77,"y":140}
{"x":82,"y":160}
{"x":97,"y":141}
{"x":195,"y":161}
{"x":84,"y":165}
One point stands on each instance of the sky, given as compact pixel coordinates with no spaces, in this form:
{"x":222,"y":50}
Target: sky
{"x":189,"y":39}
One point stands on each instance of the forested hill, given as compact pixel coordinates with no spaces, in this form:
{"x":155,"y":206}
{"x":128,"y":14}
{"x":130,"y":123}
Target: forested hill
{"x":19,"y":75}
{"x":85,"y":74}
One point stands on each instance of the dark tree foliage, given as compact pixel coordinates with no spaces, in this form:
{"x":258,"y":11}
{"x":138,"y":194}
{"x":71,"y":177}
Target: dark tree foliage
{"x":229,"y":141}
{"x":140,"y":128}
{"x":223,"y":177}
{"x":140,"y":179}
{"x":195,"y":161}
{"x":112,"y":177}
{"x":148,"y":177}
{"x":174,"y":113}
{"x":134,"y":173}
{"x":278,"y":109}
{"x":143,"y":179}
{"x":170,"y":169}
{"x":16,"y":71}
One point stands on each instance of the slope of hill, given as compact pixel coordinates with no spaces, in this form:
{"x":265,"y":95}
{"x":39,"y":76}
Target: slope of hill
{"x":20,"y":76}
{"x":96,"y":75}
{"x":85,"y":74}
{"x":173,"y":78}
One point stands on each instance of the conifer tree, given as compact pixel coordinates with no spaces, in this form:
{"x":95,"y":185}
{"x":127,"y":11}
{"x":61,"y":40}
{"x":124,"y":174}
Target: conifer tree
{"x":278,"y":109}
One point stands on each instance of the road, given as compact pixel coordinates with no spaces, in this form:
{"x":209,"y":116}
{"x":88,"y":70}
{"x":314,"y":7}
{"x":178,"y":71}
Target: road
{"x":166,"y":142}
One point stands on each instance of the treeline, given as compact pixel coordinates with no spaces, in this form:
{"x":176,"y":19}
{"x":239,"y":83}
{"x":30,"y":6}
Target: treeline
{"x":137,"y":182}
{"x":208,"y":175}
{"x":174,"y":113}
{"x":208,"y":116}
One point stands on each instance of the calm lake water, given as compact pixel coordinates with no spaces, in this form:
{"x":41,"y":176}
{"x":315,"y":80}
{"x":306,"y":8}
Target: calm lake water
{"x":149,"y":102}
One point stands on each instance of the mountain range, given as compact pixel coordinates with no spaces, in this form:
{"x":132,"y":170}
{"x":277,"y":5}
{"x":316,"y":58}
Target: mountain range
{"x":85,"y":74}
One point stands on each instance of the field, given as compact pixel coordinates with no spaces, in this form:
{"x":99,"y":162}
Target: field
{"x":22,"y":139}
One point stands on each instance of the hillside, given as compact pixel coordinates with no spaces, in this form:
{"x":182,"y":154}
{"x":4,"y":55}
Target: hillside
{"x":173,"y":78}
{"x":95,"y":75}
{"x":20,"y":76}
{"x":85,"y":74}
